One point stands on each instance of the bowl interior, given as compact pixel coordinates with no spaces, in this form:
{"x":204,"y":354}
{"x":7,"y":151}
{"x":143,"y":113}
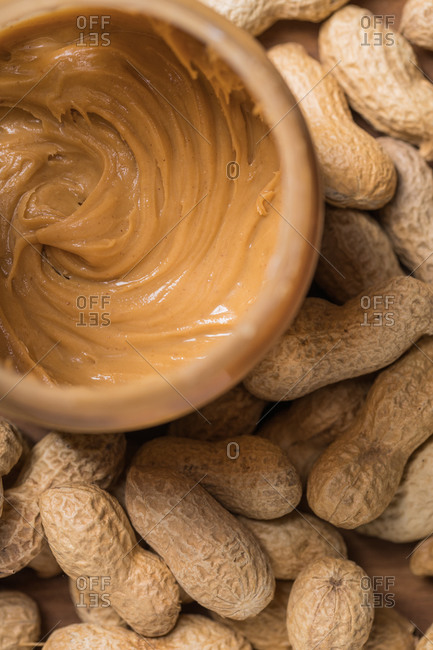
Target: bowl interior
{"x":157,"y":399}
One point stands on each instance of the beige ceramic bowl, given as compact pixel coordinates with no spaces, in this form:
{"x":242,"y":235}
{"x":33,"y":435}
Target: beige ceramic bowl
{"x":290,"y":270}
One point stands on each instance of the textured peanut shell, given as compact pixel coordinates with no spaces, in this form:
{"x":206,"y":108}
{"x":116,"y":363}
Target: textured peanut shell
{"x":408,"y":218}
{"x":356,"y":172}
{"x":382,"y":82}
{"x":295,"y":541}
{"x":192,"y":632}
{"x":95,"y":637}
{"x":45,"y":563}
{"x":328,"y":343}
{"x":214,"y":558}
{"x":417,"y":22}
{"x":309,"y":424}
{"x":356,"y":477}
{"x":257,"y":15}
{"x":11,"y":446}
{"x":27,"y":444}
{"x":421,"y":560}
{"x":10,"y":451}
{"x":390,"y":631}
{"x":246,"y":474}
{"x":357,"y":254}
{"x":58,"y":458}
{"x":19,"y":620}
{"x":90,"y":535}
{"x":91,"y":606}
{"x":427,"y":640}
{"x":409,"y":516}
{"x":330,"y":606}
{"x":235,"y":413}
{"x":267,"y":630}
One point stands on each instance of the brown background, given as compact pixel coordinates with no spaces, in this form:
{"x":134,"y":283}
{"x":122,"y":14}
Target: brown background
{"x":413,"y":596}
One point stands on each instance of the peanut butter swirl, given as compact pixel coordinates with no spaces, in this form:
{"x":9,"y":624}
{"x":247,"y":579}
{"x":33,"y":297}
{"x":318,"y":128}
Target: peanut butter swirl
{"x":127,"y":243}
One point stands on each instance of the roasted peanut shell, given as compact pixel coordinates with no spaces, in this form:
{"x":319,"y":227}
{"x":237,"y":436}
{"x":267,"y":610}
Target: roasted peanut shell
{"x":408,"y":218}
{"x":378,"y":70}
{"x":390,"y":631}
{"x":356,"y":477}
{"x":20,"y":622}
{"x":305,"y":427}
{"x":417,"y":22}
{"x":295,"y":541}
{"x":58,"y":458}
{"x":90,"y":535}
{"x":330,"y":606}
{"x":356,"y":171}
{"x":421,"y":559}
{"x":257,"y":15}
{"x":214,"y":558}
{"x":11,"y":447}
{"x":357,"y":254}
{"x":267,"y":630}
{"x":246,"y":474}
{"x":327,"y":343}
{"x":409,"y":516}
{"x":88,"y":636}
{"x":235,"y":413}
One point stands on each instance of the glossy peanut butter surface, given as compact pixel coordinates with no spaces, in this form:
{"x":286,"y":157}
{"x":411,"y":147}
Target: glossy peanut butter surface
{"x":129,"y":244}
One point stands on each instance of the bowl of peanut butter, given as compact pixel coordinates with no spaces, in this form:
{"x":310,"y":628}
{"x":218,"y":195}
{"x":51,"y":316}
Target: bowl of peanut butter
{"x":160,"y":210}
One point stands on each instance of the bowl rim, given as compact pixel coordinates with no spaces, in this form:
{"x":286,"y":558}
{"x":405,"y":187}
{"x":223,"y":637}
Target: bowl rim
{"x":143,"y":404}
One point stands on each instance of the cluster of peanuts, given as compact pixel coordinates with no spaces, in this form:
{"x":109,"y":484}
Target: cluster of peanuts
{"x":225,"y":535}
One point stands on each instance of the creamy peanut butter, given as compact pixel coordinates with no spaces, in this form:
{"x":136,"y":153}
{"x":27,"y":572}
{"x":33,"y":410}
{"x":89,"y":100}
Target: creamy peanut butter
{"x":135,"y":189}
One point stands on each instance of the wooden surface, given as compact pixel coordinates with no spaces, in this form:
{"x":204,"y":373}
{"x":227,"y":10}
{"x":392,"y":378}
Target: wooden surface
{"x":413,"y":596}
